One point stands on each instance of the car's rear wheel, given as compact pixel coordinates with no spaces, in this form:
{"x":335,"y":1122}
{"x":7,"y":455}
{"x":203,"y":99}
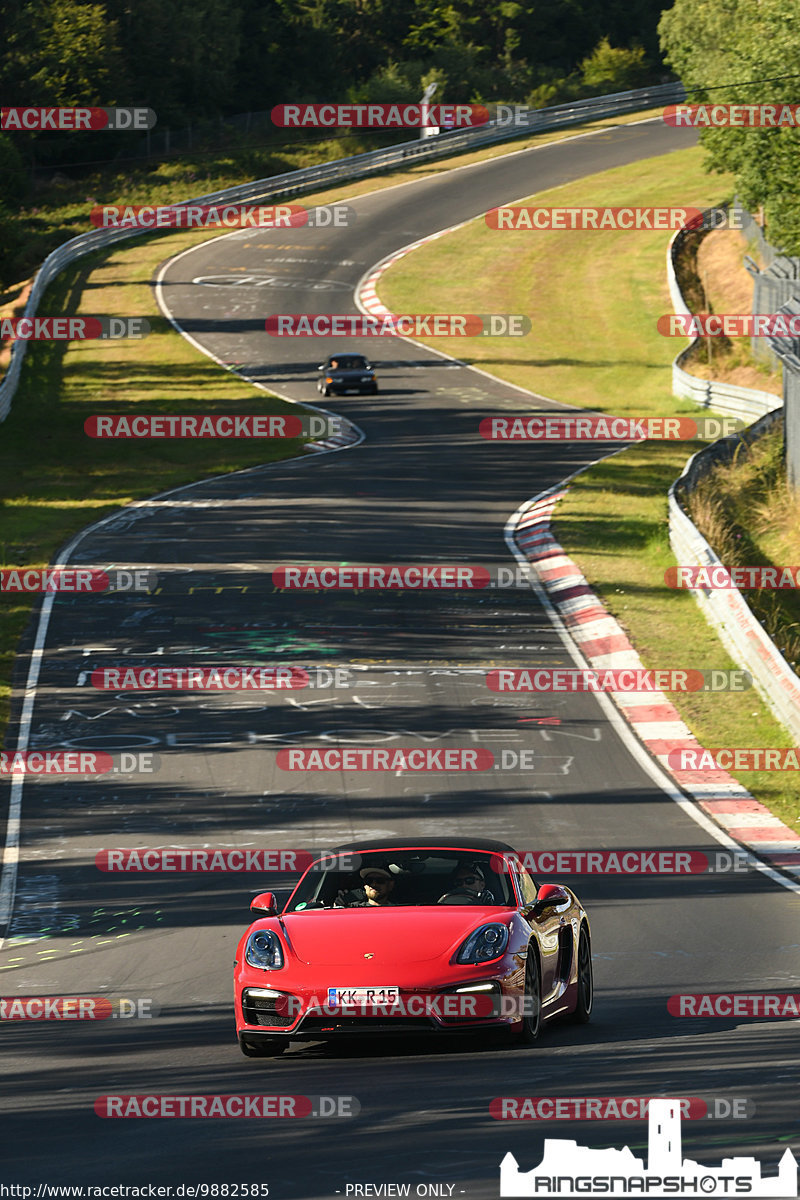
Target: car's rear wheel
{"x":263,"y":1048}
{"x":585,"y":997}
{"x":325,"y":391}
{"x":532,"y":1003}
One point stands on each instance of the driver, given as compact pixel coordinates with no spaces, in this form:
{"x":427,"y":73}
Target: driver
{"x":376,"y":892}
{"x":469,"y":880}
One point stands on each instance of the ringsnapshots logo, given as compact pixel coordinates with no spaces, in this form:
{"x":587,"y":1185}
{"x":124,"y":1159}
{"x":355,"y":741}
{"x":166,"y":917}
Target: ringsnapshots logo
{"x":78,"y":581}
{"x":626,"y":219}
{"x":570,"y":1170}
{"x":71,"y":329}
{"x":398,"y":325}
{"x":44,"y":119}
{"x":562,"y":427}
{"x":730,"y":116}
{"x":152,"y":426}
{"x":222,"y":216}
{"x":618,"y":679}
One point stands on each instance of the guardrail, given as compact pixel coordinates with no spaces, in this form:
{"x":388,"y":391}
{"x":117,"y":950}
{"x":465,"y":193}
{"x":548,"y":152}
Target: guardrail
{"x":356,"y":167}
{"x":728,"y":398}
{"x":726,"y":610}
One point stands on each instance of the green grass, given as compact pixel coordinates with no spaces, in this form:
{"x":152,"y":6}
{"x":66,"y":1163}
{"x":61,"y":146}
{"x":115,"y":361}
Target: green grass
{"x":594,"y":299}
{"x":53,"y":479}
{"x":750,"y":516}
{"x":59,"y":208}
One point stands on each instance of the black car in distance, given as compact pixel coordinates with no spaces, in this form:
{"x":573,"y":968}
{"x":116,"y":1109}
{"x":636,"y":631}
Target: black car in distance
{"x":342,"y":373}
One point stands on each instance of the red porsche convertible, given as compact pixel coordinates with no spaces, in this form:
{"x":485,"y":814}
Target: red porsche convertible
{"x":402,"y":936}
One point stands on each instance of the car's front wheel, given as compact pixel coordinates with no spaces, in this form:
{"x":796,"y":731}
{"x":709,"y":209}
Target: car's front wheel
{"x":263,"y":1048}
{"x":532,"y":1001}
{"x":585,"y":982}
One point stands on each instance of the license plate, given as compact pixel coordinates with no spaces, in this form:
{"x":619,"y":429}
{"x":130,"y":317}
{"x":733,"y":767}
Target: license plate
{"x":349,"y":996}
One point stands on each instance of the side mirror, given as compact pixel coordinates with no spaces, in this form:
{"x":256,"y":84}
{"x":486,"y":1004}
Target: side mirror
{"x":265,"y":904}
{"x":550,"y":895}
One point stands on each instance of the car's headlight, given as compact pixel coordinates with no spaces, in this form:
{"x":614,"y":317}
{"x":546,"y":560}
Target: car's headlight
{"x":367,"y":378}
{"x":484,"y":944}
{"x":264,"y":950}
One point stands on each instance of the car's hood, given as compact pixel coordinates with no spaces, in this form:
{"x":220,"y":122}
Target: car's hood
{"x":336,"y":937}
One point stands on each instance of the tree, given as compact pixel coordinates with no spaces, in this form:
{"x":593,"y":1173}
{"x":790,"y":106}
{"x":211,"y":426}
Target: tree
{"x":744,"y":52}
{"x":60,"y":52}
{"x":612,"y":69}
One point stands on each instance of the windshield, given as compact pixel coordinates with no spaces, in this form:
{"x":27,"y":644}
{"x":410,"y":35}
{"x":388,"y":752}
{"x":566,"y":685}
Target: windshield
{"x":348,"y":362}
{"x":406,"y":877}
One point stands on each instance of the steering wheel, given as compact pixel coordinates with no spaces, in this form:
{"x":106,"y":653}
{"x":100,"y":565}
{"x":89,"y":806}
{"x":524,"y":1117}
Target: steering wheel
{"x":458,"y":896}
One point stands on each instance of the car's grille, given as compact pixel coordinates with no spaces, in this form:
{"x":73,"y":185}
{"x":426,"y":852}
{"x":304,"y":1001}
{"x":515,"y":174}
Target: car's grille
{"x":366,"y":1024}
{"x":268,"y":1010}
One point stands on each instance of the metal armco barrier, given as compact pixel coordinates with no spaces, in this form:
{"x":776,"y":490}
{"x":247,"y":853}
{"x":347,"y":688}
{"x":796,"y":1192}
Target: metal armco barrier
{"x":726,"y":610}
{"x":356,"y":167}
{"x":788,"y":351}
{"x":727,"y":398}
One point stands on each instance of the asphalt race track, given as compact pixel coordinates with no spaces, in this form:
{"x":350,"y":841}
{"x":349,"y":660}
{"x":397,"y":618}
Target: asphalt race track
{"x":422,"y":487}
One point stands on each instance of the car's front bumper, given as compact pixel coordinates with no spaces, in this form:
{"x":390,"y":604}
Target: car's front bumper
{"x":272,"y":1009}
